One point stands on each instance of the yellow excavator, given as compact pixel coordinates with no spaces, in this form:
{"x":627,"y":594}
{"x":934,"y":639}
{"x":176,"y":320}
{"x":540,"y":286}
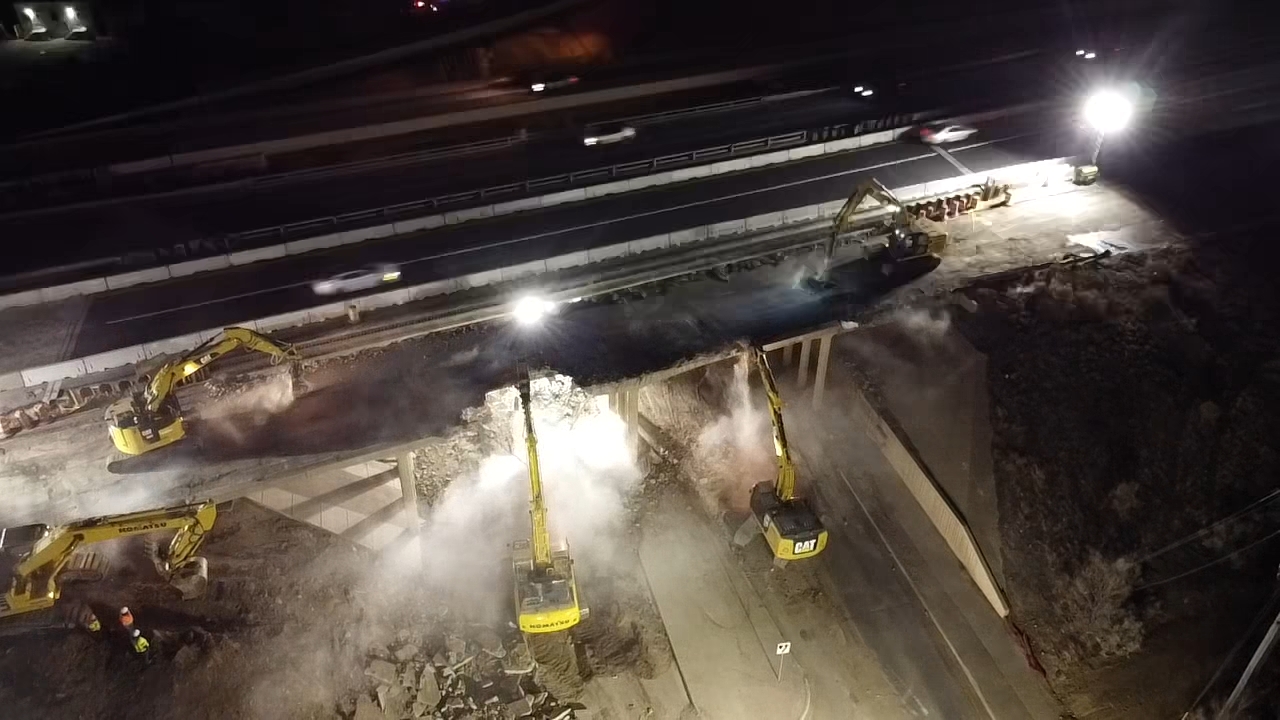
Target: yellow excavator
{"x":39,"y":559}
{"x":906,"y":235}
{"x":152,"y":418}
{"x":790,"y":527}
{"x":546,"y":591}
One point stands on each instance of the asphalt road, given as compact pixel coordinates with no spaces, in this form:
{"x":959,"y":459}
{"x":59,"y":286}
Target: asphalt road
{"x":208,"y":300}
{"x":141,"y":224}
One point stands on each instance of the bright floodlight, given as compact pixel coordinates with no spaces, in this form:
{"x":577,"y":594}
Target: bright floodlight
{"x":31,"y":14}
{"x":71,"y":13}
{"x":530,"y":310}
{"x":1108,"y":111}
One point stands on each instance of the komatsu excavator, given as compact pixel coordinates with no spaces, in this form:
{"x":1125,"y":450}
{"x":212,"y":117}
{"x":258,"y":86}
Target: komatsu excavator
{"x":152,"y":418}
{"x":38,"y":560}
{"x":546,"y":591}
{"x":905,"y":234}
{"x":790,"y":527}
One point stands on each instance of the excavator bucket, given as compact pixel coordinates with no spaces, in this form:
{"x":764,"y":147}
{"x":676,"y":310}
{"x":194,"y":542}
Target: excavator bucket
{"x":191,"y":578}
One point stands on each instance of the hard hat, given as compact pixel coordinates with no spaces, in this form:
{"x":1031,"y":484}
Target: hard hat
{"x":136,"y":632}
{"x":124,"y":610}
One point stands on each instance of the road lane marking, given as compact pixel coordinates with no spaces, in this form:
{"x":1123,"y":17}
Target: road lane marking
{"x":561,"y":231}
{"x":942,"y":152}
{"x":973,"y":682}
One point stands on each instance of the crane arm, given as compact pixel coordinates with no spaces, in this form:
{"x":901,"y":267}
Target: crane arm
{"x":192,"y":522}
{"x":872,"y":188}
{"x":229,"y":339}
{"x":537,"y":506}
{"x":785,"y":488}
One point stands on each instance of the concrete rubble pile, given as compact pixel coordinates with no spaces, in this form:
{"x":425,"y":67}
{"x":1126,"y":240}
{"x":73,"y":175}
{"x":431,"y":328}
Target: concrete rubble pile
{"x":478,"y":674}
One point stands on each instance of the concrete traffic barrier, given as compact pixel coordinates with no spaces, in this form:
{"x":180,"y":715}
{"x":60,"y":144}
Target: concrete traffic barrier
{"x":244,"y":257}
{"x":431,"y":289}
{"x":768,"y":220}
{"x":480,"y":279}
{"x":369,"y":233}
{"x":283,"y":320}
{"x":729,"y":227}
{"x":172,"y":346}
{"x":191,"y":267}
{"x":726,"y":166}
{"x":84,"y":287}
{"x":114,"y":358}
{"x":830,"y":208}
{"x":568,"y":260}
{"x":54,"y":372}
{"x":124,"y":280}
{"x":640,"y":183}
{"x":605,"y":253}
{"x":22,"y":299}
{"x":563,"y":197}
{"x":657,"y":242}
{"x":910,"y":192}
{"x":515,"y":206}
{"x":311,"y":244}
{"x":11,"y":381}
{"x":533,"y":267}
{"x":608,"y":188}
{"x":461,"y":216}
{"x":402,"y":227}
{"x":841,"y":145}
{"x":806,"y":151}
{"x":683,"y":174}
{"x":803,"y":214}
{"x":680,"y":237}
{"x":772,"y":158}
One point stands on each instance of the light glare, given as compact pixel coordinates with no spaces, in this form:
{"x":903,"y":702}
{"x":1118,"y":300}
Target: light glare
{"x":531,"y":310}
{"x":1108,"y":111}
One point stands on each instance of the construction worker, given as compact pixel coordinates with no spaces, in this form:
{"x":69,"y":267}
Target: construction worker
{"x":126,"y":619}
{"x":139,"y":643}
{"x":92,"y":624}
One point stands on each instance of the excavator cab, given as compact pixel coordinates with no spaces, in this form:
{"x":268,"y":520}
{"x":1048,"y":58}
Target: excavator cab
{"x":546,"y":592}
{"x":135,"y":431}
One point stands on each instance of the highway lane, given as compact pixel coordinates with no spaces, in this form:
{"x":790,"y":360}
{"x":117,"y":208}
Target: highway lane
{"x":143,"y":223}
{"x":208,"y":300}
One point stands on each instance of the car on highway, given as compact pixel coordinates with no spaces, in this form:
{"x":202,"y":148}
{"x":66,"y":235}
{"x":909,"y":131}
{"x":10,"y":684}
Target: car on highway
{"x":608,"y":134}
{"x":553,"y":82}
{"x":942,"y":134}
{"x":354,"y":280}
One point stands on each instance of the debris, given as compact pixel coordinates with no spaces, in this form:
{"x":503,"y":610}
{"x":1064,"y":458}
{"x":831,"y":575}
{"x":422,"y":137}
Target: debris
{"x":382,"y":671}
{"x":429,"y":689}
{"x":366,"y":710}
{"x":406,"y":653}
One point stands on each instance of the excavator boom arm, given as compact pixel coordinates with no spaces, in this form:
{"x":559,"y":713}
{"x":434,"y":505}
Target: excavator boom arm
{"x":231,"y":338}
{"x":785,"y":488}
{"x":870,"y":188}
{"x":537,"y":506}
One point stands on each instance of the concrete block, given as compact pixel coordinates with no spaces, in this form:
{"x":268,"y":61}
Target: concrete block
{"x":640,"y":183}
{"x":681,"y":237}
{"x":563,"y":197}
{"x":22,"y":299}
{"x":327,"y":311}
{"x":608,"y":251}
{"x":534,"y":267}
{"x":390,"y":298}
{"x":877,"y":138}
{"x":402,"y":227}
{"x":729,"y":227}
{"x":461,"y":216}
{"x":841,"y":145}
{"x":11,"y":381}
{"x":311,"y":244}
{"x":75,"y":289}
{"x":114,"y":359}
{"x":657,"y":242}
{"x":140,"y":277}
{"x":768,"y":220}
{"x":431,"y":289}
{"x":728,"y":166}
{"x":802,"y":214}
{"x":284,"y":320}
{"x":53,"y":373}
{"x":244,"y":257}
{"x":366,"y":233}
{"x":568,"y":260}
{"x":690,"y":173}
{"x":515,"y":206}
{"x":180,"y":345}
{"x":772,"y":158}
{"x":807,"y":151}
{"x":480,"y":279}
{"x":191,"y":267}
{"x":609,"y":188}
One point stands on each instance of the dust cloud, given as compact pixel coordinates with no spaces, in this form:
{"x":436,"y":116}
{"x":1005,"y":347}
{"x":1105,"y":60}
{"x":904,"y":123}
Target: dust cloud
{"x":240,"y":410}
{"x":734,"y":451}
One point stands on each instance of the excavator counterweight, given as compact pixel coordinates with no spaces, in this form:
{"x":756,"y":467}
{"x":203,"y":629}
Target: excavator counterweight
{"x":545,"y":588}
{"x":152,"y":418}
{"x":789,"y":525}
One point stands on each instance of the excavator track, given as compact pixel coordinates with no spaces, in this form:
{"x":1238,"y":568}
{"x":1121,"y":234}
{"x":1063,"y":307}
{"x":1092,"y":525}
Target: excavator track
{"x":85,"y":567}
{"x":556,"y":660}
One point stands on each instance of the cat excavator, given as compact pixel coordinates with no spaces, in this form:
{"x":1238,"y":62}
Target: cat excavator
{"x":546,"y":591}
{"x":152,"y":418}
{"x":789,"y":525}
{"x":37,"y":560}
{"x":902,"y":234}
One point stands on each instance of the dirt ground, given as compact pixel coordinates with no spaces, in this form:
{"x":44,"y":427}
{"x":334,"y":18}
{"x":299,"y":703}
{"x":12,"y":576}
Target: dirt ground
{"x":1135,"y":406}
